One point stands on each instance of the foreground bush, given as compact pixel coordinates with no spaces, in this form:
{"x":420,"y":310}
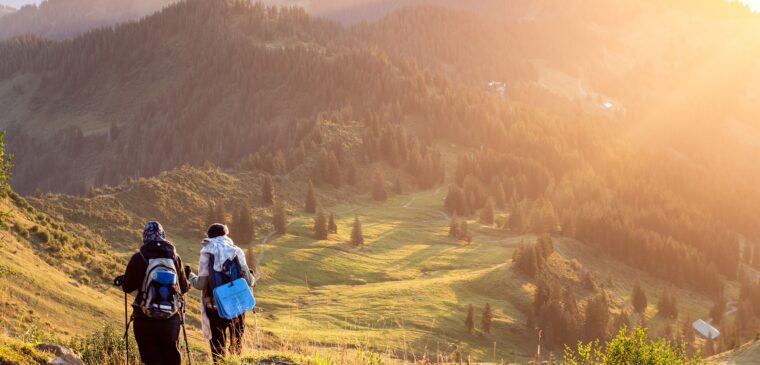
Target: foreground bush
{"x":632,"y":347}
{"x":105,"y":346}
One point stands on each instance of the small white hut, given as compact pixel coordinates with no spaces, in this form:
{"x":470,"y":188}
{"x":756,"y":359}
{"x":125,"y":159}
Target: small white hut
{"x":705,"y":329}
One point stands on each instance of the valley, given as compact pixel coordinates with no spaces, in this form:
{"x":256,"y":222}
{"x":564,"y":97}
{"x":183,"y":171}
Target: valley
{"x":498,"y":176}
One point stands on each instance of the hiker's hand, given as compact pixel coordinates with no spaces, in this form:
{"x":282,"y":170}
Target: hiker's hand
{"x":188,"y":271}
{"x":118,"y":280}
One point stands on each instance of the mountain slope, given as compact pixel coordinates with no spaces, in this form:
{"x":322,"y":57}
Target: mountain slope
{"x":53,"y":281}
{"x":60,"y":19}
{"x":406,"y":290}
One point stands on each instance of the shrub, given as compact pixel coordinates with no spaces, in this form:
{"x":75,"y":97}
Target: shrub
{"x":43,"y":236}
{"x":23,"y":232}
{"x":105,"y":346}
{"x":631,"y":348}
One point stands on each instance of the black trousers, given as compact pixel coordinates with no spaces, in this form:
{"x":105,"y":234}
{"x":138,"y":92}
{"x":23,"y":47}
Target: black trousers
{"x":220,"y":329}
{"x":158,"y":341}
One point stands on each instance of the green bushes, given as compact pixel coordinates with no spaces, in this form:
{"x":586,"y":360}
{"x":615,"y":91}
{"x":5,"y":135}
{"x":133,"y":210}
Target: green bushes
{"x":20,"y":230}
{"x":631,"y":348}
{"x":105,"y":346}
{"x":42,"y":235}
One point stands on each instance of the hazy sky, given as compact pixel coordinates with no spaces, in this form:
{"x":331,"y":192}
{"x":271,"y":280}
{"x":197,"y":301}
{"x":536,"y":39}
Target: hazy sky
{"x":18,"y":3}
{"x":754,"y":4}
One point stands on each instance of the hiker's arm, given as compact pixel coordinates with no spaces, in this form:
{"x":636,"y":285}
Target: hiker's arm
{"x":133,"y":275}
{"x":198,"y":282}
{"x":181,"y":279}
{"x":248,"y":276}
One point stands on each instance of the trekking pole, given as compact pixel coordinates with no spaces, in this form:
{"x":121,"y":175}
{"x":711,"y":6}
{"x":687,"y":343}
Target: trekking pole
{"x":256,"y":330}
{"x":184,"y":331}
{"x":118,"y":281}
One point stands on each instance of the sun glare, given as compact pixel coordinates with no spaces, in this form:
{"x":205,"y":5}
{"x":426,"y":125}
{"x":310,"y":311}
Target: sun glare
{"x":753,"y":4}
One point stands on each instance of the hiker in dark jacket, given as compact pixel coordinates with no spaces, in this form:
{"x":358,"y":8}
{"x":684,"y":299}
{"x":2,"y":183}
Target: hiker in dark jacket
{"x":157,"y":339}
{"x":218,"y":330}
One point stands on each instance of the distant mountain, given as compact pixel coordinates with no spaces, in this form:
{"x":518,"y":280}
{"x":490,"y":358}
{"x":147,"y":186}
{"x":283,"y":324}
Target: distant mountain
{"x":60,"y":19}
{"x":5,"y":10}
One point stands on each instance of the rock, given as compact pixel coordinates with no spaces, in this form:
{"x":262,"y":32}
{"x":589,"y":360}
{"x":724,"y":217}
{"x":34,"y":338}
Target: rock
{"x":64,"y":355}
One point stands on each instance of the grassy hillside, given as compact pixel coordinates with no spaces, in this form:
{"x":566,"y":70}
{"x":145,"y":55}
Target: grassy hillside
{"x":51,"y":289}
{"x":405,"y":293}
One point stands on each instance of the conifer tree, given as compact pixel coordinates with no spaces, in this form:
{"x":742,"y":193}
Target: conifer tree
{"x":333,"y":170}
{"x":464,"y":232}
{"x":243,"y":230}
{"x":487,"y":213}
{"x":351,"y":173}
{"x":516,"y":220}
{"x":455,"y":202}
{"x":485,"y":319}
{"x":499,"y":198}
{"x":210,"y":216}
{"x":268,"y":195}
{"x":638,"y":299}
{"x":454,"y":227}
{"x":320,"y":225}
{"x":279,"y":220}
{"x":667,"y":306}
{"x":357,"y":237}
{"x":220,"y":213}
{"x":331,"y":226}
{"x":718,"y":310}
{"x":469,"y":322}
{"x":310,"y":205}
{"x":597,"y":317}
{"x":397,"y":188}
{"x":5,"y":166}
{"x":378,"y":187}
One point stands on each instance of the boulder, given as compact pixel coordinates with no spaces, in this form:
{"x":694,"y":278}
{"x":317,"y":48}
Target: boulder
{"x":63,"y":355}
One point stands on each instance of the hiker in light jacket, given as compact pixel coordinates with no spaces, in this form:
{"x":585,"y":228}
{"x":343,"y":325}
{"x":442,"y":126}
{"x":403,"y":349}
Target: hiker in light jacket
{"x":215,"y":327}
{"x":157,"y":339}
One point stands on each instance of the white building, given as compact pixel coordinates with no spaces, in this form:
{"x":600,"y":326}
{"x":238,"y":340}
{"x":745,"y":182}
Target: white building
{"x":705,"y":329}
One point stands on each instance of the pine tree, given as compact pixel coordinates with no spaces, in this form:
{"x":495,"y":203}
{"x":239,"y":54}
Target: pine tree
{"x":243,"y":230}
{"x":357,"y":238}
{"x":516,"y":220}
{"x":455,"y":202}
{"x":221,"y":213}
{"x":597,"y":317}
{"x":279,"y":220}
{"x":378,"y":187}
{"x":333,"y":170}
{"x":464,"y":232}
{"x":469,"y":322}
{"x":499,"y":198}
{"x":454,"y":227}
{"x":311,"y":200}
{"x":487,"y":213}
{"x":397,"y":188}
{"x":320,"y":225}
{"x":268,"y":195}
{"x":331,"y":226}
{"x":351,"y":173}
{"x":718,"y":310}
{"x":210,"y":216}
{"x":667,"y":306}
{"x":638,"y":299}
{"x":5,"y":166}
{"x":485,"y":319}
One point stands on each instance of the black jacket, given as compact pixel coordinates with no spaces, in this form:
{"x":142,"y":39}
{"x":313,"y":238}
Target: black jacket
{"x":135,"y":273}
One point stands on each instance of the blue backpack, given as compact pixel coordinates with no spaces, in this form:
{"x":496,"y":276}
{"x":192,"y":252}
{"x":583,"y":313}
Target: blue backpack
{"x":160,"y":290}
{"x":231,"y":293}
